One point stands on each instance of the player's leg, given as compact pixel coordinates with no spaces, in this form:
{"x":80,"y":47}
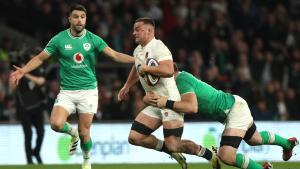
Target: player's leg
{"x":87,"y":104}
{"x":173,"y":129}
{"x":238,"y":121}
{"x":86,"y":144}
{"x":63,"y":107}
{"x":253,"y":137}
{"x":144,"y":124}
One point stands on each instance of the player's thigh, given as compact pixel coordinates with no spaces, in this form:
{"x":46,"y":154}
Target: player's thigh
{"x":147,"y":121}
{"x":239,"y":116}
{"x":150,"y":116}
{"x":87,"y":101}
{"x":58,"y":116}
{"x":63,"y":107}
{"x":85,"y":121}
{"x":173,"y":123}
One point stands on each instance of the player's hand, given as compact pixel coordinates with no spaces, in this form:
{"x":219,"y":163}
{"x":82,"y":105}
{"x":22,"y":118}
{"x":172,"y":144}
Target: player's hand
{"x":151,"y":98}
{"x":15,"y":76}
{"x":141,"y":69}
{"x":161,"y":102}
{"x":122,"y":93}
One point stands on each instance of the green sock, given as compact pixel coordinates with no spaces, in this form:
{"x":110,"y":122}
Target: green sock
{"x":274,"y":139}
{"x":86,"y":146}
{"x":245,"y":162}
{"x":68,"y":129}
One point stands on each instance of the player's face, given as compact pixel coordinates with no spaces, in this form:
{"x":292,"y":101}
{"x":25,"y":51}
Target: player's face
{"x":77,"y":20}
{"x":140,"y":32}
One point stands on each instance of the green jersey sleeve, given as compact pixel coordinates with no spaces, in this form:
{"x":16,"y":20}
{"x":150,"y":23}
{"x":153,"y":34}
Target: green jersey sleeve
{"x":51,"y":47}
{"x":99,"y":43}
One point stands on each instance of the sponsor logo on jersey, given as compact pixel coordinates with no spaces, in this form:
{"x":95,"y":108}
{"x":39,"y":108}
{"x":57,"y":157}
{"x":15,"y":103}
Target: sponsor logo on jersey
{"x":86,"y":46}
{"x":68,"y":47}
{"x":78,"y":57}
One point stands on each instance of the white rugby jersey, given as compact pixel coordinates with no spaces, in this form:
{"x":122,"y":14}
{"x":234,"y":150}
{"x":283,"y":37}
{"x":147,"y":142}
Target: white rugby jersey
{"x":157,"y":49}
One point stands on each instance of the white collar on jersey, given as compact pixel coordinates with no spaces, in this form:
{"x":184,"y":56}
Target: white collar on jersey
{"x":74,"y":37}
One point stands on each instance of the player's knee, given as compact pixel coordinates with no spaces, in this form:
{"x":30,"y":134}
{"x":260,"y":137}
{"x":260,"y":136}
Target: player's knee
{"x":173,"y":145}
{"x":134,"y":139}
{"x":227,"y":158}
{"x":56,"y":126}
{"x":83,"y":132}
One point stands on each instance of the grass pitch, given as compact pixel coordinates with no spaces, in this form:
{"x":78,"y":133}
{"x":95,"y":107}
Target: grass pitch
{"x":286,"y":165}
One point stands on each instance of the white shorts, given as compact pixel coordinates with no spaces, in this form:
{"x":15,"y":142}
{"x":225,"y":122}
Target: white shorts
{"x":163,"y":114}
{"x":239,"y":117}
{"x":82,"y":101}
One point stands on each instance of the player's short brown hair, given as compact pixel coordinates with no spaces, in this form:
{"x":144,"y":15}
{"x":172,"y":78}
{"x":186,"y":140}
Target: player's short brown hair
{"x":78,"y":7}
{"x":146,"y":20}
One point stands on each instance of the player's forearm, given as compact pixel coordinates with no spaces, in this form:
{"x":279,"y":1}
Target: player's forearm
{"x":123,"y":58}
{"x":185,"y":107}
{"x":36,"y":79}
{"x":132,"y":78}
{"x":32,"y":64}
{"x":160,"y":70}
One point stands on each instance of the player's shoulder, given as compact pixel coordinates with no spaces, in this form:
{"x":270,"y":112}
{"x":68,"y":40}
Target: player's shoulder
{"x":62,"y":33}
{"x":90,"y":34}
{"x":158,"y":43}
{"x":137,"y":49}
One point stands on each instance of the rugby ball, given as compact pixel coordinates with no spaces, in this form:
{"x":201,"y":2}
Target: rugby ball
{"x":152,"y":79}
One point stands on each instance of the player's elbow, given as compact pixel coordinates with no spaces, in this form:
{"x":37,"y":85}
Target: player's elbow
{"x":169,"y":73}
{"x":192,"y":108}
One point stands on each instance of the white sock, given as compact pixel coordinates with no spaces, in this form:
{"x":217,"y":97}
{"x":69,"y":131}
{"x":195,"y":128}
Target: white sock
{"x":72,"y":131}
{"x":86,"y":155}
{"x":201,"y":152}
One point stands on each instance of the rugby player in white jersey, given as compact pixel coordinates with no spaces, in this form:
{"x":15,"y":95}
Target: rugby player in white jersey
{"x":151,"y":118}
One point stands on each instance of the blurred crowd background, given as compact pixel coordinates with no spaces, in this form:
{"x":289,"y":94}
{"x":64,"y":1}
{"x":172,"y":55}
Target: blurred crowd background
{"x":247,"y":47}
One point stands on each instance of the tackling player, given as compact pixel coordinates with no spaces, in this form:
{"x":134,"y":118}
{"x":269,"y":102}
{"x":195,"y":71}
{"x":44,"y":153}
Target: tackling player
{"x":151,"y":118}
{"x":76,"y":50}
{"x":231,"y":110}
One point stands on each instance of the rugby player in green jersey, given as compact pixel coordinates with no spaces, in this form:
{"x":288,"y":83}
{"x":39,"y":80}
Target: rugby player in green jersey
{"x":76,"y":50}
{"x":231,"y":110}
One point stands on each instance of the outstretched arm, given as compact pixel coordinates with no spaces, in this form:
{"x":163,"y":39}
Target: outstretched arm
{"x":35,"y":62}
{"x":131,"y":80}
{"x":117,"y":56}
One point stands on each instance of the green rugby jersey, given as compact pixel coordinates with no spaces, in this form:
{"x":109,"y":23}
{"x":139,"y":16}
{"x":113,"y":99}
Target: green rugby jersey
{"x":76,"y":56}
{"x":212,"y":103}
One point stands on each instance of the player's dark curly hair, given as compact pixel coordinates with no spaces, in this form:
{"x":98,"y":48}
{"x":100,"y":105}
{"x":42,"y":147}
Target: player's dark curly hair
{"x":78,"y":7}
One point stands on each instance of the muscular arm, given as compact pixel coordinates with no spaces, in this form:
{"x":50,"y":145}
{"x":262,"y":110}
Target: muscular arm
{"x":35,"y":62}
{"x":164,"y":69}
{"x":132,"y":78}
{"x":117,"y":56}
{"x":188,"y":104}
